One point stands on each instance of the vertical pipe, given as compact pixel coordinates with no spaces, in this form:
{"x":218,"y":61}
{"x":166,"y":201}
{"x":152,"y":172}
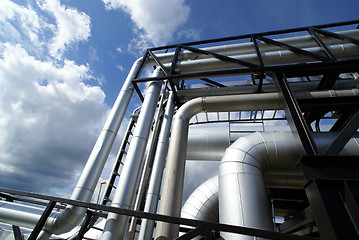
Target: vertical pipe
{"x":148,"y":159}
{"x":116,"y":225}
{"x":156,"y":175}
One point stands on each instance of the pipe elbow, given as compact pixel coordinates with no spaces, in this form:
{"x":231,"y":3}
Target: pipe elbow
{"x":190,"y":108}
{"x":248,"y":152}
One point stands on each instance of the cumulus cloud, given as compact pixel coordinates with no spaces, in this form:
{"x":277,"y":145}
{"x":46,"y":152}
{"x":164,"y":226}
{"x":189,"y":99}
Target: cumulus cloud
{"x":156,"y":20}
{"x":71,"y":26}
{"x":22,"y":25}
{"x":49,"y":118}
{"x":50,"y":115}
{"x":27,"y":27}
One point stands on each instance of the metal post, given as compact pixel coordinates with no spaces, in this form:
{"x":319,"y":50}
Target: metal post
{"x":17,"y":233}
{"x":40,"y":224}
{"x":84,"y":226}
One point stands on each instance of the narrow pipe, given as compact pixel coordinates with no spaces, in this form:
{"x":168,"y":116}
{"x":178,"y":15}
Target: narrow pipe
{"x":154,"y":187}
{"x":116,"y":225}
{"x":188,"y":94}
{"x":174,"y":172}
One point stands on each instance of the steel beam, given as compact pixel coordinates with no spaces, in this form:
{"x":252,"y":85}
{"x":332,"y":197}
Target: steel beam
{"x":343,"y":136}
{"x":40,"y":224}
{"x":219,"y":56}
{"x":17,"y":233}
{"x":294,"y":115}
{"x":330,"y":210}
{"x":85,"y":225}
{"x":293,"y":49}
{"x":163,"y":218}
{"x":321,"y":44}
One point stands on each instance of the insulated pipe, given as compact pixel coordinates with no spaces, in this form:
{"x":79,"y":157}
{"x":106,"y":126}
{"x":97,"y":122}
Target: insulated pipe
{"x":72,"y":216}
{"x":243,"y":199}
{"x":188,"y":94}
{"x":202,"y":204}
{"x":153,"y":192}
{"x":277,"y":154}
{"x":341,"y":51}
{"x":249,"y":48}
{"x":174,"y":172}
{"x":116,"y":224}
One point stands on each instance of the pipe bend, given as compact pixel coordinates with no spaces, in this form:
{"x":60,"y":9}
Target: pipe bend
{"x":190,"y":108}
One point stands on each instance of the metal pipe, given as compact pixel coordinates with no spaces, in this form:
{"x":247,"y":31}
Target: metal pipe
{"x":116,"y":225}
{"x":188,"y":94}
{"x":249,"y":48}
{"x":154,"y":187}
{"x":269,"y":58}
{"x":174,"y":172}
{"x":149,"y":157}
{"x":277,"y":153}
{"x":61,"y":222}
{"x":243,"y":199}
{"x":202,"y":204}
{"x":72,"y":216}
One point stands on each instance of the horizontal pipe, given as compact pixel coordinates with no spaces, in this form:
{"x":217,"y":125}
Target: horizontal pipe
{"x":342,"y":51}
{"x":249,"y":48}
{"x":188,"y":94}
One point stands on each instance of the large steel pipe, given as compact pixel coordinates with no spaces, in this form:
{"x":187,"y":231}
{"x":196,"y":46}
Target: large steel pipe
{"x":154,"y":187}
{"x":174,"y":173}
{"x":116,"y":225}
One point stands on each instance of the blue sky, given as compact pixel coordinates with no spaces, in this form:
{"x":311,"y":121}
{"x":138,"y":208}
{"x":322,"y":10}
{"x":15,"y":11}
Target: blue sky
{"x":62,"y":64}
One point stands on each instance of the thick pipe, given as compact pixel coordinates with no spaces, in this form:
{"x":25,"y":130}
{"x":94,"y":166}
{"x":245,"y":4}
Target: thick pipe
{"x":116,"y":225}
{"x":174,"y":172}
{"x":72,"y":216}
{"x":277,"y":155}
{"x":153,"y":192}
{"x":202,"y":204}
{"x":243,"y":199}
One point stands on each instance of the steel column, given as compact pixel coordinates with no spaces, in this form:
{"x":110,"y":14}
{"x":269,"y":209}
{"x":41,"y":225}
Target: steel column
{"x":295,"y":118}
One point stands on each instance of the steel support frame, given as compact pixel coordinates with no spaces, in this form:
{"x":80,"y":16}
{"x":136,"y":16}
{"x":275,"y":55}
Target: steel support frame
{"x":294,"y":115}
{"x":157,"y":217}
{"x":40,"y":224}
{"x":335,"y":207}
{"x":17,"y":233}
{"x":329,"y":59}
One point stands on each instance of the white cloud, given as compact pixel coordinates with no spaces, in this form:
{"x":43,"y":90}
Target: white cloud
{"x":71,"y":26}
{"x":156,"y":20}
{"x":32,"y":29}
{"x":22,"y":25}
{"x":49,"y":119}
{"x":120,"y":67}
{"x":119,"y":49}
